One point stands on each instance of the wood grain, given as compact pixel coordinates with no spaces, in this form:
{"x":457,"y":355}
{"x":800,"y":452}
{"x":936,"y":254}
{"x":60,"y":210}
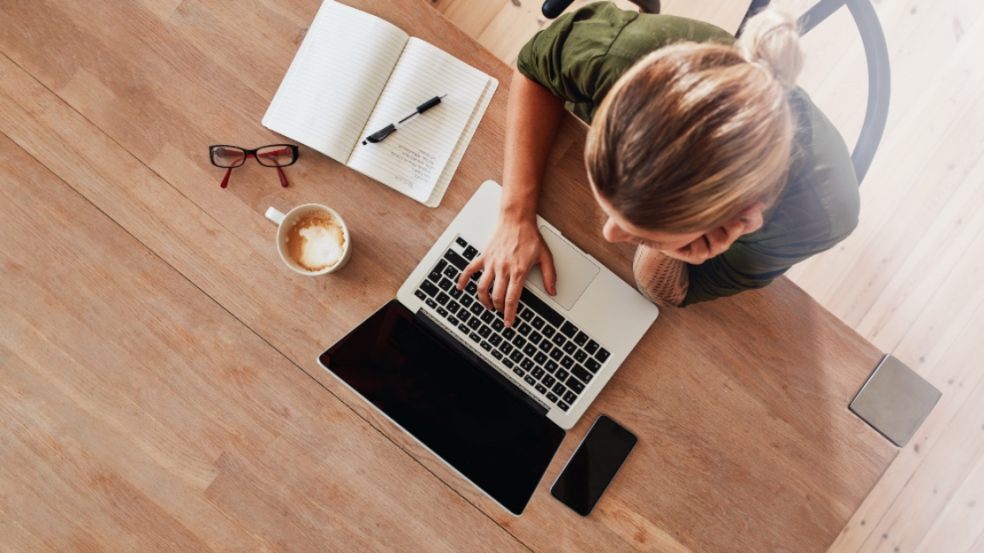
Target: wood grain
{"x":745,"y":439}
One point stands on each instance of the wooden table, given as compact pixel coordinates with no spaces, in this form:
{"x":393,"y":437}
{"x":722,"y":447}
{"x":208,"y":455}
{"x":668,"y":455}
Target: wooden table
{"x":158,"y":383}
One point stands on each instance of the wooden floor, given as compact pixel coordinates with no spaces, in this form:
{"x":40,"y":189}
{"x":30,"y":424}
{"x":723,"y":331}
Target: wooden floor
{"x":909,"y":278}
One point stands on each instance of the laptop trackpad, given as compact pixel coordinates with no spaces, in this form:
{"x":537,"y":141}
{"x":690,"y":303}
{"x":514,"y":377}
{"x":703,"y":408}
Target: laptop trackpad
{"x":575,"y":271}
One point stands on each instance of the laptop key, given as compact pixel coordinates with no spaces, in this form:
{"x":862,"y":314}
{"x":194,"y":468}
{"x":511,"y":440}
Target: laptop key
{"x":484,"y":331}
{"x":508,"y":363}
{"x":429,"y":288}
{"x":455,"y":293}
{"x":569,"y":329}
{"x":558,"y":339}
{"x":535,"y":337}
{"x":497,"y":354}
{"x":566,"y":362}
{"x":451,"y":272}
{"x":445,"y":284}
{"x":537,"y":322}
{"x":456,"y":260}
{"x":556,"y":354}
{"x":475,"y":337}
{"x":551,"y":366}
{"x":454,"y":320}
{"x":592,"y":346}
{"x":474,"y":323}
{"x":471,"y":288}
{"x":469,"y":253}
{"x":530,"y":350}
{"x":562,"y":375}
{"x":538,"y":373}
{"x":508,"y":333}
{"x":467,"y":301}
{"x":540,"y":358}
{"x":461,"y":242}
{"x":442,"y":312}
{"x":516,"y":356}
{"x":519,"y":341}
{"x":546,"y":346}
{"x":420,"y":295}
{"x":581,"y":373}
{"x":498,"y":325}
{"x":519,"y":371}
{"x":443,"y":298}
{"x":575,"y":384}
{"x":552,"y":397}
{"x":602,"y":355}
{"x":532,"y":302}
{"x":570,"y":397}
{"x":592,"y":365}
{"x":580,"y":356}
{"x":434,"y":276}
{"x":464,"y":315}
{"x":487,"y":317}
{"x":464,"y":328}
{"x":559,"y":389}
{"x":524,"y":329}
{"x":506,"y":347}
{"x":548,"y":380}
{"x":476,"y":309}
{"x":563,"y":405}
{"x":486,"y":346}
{"x":549,"y":331}
{"x":540,"y":388}
{"x":526,"y":314}
{"x":495,"y":339}
{"x":529,"y":380}
{"x":431,"y":303}
{"x":527,"y":364}
{"x":581,"y":338}
{"x":570,"y":347}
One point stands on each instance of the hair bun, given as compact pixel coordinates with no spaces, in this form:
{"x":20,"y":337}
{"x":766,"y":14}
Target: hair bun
{"x":771,"y":38}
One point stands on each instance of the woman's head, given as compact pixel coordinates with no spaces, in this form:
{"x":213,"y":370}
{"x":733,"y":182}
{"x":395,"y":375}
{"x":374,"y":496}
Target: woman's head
{"x":695,"y":135}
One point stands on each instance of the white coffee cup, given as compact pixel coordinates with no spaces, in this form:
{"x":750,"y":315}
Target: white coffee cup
{"x":285,"y":222}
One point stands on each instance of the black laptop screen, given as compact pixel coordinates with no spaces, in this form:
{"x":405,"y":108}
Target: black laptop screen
{"x":455,"y":407}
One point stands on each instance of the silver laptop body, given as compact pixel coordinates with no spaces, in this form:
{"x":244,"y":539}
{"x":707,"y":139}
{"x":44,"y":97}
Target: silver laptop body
{"x":563,"y":348}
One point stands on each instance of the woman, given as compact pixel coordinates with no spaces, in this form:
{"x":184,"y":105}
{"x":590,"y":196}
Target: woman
{"x":701,"y":151}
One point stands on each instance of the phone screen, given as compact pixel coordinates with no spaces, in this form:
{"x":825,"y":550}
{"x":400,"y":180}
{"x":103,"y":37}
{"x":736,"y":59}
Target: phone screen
{"x":593,"y":465}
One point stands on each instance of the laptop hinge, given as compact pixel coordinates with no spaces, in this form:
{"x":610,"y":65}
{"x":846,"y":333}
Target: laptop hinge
{"x":465,"y":351}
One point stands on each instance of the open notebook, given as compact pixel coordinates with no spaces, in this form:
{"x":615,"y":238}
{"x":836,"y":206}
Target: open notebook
{"x":356,"y":73}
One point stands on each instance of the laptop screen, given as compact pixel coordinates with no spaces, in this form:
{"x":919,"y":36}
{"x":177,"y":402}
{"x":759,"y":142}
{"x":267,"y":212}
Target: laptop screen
{"x":464,"y":412}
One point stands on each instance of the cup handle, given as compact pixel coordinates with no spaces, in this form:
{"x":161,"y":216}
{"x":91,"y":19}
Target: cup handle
{"x":274,"y":215}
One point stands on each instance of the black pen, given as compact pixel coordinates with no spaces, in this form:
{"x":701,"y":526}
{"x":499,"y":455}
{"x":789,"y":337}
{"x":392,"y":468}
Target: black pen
{"x":381,"y":134}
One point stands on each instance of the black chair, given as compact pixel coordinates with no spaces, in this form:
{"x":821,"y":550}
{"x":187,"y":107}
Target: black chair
{"x":876,"y":57}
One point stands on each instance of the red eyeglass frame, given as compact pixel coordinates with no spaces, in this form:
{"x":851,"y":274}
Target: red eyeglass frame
{"x":247,"y":153}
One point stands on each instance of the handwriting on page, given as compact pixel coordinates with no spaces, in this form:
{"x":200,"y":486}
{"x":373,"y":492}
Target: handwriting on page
{"x":421,"y":163}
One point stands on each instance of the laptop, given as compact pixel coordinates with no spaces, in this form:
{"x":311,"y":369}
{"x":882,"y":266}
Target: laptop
{"x":493,"y":402}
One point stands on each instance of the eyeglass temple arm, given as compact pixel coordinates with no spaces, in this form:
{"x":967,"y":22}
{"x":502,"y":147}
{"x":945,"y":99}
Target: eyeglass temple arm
{"x":283,"y":177}
{"x":225,"y":179}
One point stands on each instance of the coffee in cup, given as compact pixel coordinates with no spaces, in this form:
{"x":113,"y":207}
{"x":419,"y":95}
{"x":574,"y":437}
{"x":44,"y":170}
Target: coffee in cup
{"x":312,"y":239}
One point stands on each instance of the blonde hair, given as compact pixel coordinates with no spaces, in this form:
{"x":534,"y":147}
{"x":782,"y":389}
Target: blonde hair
{"x":694,"y":133}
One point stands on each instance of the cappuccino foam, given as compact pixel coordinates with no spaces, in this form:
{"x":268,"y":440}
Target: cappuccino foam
{"x":316,"y":242}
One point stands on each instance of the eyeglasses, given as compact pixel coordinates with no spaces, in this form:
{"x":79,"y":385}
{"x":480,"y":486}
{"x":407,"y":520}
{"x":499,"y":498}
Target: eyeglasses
{"x":274,"y":155}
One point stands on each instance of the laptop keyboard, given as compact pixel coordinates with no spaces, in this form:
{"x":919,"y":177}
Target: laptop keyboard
{"x":550,"y":355}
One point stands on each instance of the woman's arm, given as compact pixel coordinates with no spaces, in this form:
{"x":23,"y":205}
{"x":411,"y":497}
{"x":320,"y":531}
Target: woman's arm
{"x":532,"y":117}
{"x":661,"y":278}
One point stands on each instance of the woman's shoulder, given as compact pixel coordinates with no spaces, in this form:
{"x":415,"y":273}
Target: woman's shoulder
{"x":821,"y":202}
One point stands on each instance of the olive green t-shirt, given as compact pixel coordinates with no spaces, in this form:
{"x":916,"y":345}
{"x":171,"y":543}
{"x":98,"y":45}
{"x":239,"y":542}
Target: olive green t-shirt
{"x":581,"y":55}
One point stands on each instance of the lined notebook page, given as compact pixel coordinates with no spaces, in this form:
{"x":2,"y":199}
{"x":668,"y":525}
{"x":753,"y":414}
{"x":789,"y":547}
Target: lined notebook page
{"x":335,"y":79}
{"x":414,"y":158}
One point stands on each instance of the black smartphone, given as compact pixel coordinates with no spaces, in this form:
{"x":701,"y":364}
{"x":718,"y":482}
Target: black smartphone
{"x":593,"y":465}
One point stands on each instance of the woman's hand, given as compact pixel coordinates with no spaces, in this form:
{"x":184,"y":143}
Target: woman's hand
{"x":717,"y":241}
{"x":515,"y":248}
